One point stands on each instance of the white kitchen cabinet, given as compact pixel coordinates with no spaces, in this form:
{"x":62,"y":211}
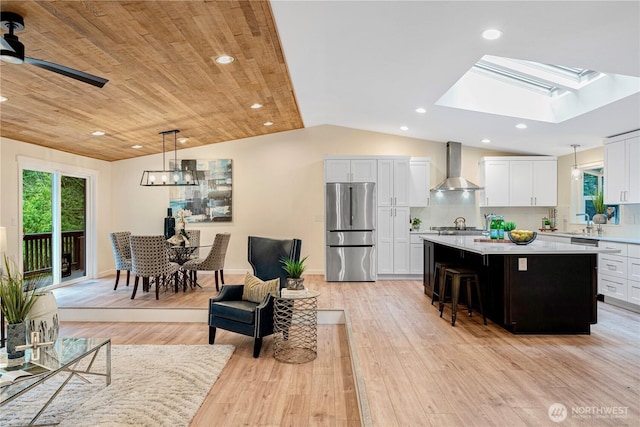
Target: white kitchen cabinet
{"x":393,"y":240}
{"x":494,"y":180}
{"x":633,"y":274}
{"x":393,"y":216}
{"x":417,"y":254}
{"x":619,"y":273}
{"x":533,"y":183}
{"x":350,"y":170}
{"x":621,"y":172}
{"x":420,"y":176}
{"x":519,"y":181}
{"x":393,"y":182}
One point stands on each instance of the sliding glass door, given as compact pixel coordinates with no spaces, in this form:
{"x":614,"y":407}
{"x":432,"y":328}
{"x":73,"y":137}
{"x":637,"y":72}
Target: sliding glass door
{"x":54,"y":224}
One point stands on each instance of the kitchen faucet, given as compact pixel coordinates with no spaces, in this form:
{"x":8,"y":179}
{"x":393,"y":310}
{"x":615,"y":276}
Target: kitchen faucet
{"x":589,"y":223}
{"x":487,"y":223}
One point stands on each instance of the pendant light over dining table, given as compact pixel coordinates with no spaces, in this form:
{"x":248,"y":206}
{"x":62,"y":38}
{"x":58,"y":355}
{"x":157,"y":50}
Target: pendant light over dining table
{"x":169,"y":177}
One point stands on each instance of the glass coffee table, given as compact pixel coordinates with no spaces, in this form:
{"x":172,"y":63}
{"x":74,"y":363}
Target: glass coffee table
{"x":64,"y":355}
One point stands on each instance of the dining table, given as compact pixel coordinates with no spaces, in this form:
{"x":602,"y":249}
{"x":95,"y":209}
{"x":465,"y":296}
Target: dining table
{"x":181,"y":254}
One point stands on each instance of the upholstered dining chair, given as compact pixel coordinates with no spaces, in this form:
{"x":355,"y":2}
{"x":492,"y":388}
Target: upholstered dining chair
{"x":239,"y":308}
{"x":194,"y":240}
{"x":213,"y":262}
{"x":150,"y":259}
{"x":121,"y":254}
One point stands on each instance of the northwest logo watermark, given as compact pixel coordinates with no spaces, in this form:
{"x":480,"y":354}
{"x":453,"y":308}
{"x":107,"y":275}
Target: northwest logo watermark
{"x":558,"y":412}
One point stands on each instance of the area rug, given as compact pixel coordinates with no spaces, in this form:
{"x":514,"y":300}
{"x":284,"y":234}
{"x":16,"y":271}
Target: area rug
{"x":151,"y":385}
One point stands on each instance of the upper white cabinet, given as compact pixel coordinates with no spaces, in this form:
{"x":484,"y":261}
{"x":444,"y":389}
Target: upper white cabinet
{"x":494,"y":179}
{"x":420,"y":176}
{"x":533,"y":183}
{"x":518,"y":181}
{"x":350,"y":170}
{"x":393,"y":182}
{"x":621,"y":171}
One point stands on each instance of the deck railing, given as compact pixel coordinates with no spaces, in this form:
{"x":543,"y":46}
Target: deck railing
{"x":37,"y":253}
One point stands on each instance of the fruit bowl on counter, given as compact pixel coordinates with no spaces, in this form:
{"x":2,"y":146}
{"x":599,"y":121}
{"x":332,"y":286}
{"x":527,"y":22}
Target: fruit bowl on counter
{"x":522,"y":237}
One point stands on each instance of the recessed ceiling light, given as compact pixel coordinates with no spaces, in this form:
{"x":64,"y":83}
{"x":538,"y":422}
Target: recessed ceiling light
{"x":486,"y":141}
{"x":268,"y":123}
{"x":183,"y":140}
{"x":3,"y":98}
{"x":136,"y":146}
{"x":421,"y":110}
{"x":491,"y":34}
{"x":521,"y":126}
{"x":225,"y":59}
{"x":97,"y":133}
{"x":404,"y":128}
{"x":256,"y":106}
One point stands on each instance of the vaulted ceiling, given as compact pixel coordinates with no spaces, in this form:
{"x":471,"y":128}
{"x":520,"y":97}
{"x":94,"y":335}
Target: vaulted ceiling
{"x":359,"y":64}
{"x":159,"y":59}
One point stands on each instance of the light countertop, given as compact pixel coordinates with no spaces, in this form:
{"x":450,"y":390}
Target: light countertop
{"x":537,"y":247}
{"x":595,"y":236}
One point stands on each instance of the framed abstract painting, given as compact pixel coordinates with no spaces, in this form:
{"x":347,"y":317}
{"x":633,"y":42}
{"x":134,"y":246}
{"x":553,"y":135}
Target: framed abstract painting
{"x":211,"y":200}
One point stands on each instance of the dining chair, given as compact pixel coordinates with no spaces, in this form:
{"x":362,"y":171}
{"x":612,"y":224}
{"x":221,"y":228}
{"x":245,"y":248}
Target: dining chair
{"x":150,"y":259}
{"x":194,"y":240}
{"x":121,"y":254}
{"x":213,"y":262}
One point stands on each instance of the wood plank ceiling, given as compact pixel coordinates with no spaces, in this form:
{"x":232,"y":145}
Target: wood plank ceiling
{"x":159,"y":59}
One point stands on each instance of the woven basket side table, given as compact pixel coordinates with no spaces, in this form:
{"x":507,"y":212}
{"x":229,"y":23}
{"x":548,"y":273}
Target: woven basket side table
{"x":296,"y":328}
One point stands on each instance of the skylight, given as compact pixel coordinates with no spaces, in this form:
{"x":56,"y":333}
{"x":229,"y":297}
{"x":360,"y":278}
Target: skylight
{"x":532,"y":90}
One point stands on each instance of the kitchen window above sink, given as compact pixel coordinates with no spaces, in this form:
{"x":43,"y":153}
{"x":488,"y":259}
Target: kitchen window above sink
{"x":591,"y":180}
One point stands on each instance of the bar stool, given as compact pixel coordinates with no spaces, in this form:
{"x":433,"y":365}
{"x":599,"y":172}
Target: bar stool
{"x":457,"y":276}
{"x":438,"y":279}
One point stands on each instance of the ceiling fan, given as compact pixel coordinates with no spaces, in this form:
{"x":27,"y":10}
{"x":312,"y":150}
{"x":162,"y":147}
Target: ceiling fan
{"x":13,"y":52}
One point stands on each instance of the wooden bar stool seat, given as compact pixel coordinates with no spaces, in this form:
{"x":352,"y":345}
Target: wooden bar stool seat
{"x":457,"y":276}
{"x":438,"y":279}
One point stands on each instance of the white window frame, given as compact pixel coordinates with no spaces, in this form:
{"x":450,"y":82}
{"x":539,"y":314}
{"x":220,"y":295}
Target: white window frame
{"x":59,"y":169}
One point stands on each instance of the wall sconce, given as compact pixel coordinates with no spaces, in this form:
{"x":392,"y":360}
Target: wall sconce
{"x":576,"y":173}
{"x":165,"y":177}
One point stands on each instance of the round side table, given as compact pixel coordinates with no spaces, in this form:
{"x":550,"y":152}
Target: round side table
{"x":295,"y":324}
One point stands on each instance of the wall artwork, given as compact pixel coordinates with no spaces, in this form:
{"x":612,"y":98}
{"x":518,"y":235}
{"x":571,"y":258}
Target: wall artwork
{"x":211,"y":201}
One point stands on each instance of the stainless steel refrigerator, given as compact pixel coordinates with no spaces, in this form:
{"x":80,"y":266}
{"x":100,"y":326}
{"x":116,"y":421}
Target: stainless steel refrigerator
{"x":351,"y":223}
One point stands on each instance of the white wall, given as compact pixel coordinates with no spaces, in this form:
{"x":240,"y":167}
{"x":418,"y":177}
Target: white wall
{"x":278,"y":186}
{"x":9,"y":197}
{"x":277,"y":189}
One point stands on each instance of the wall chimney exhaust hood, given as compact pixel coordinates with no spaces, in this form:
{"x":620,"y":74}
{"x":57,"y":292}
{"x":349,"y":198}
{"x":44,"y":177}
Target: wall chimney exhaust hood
{"x":454,"y":180}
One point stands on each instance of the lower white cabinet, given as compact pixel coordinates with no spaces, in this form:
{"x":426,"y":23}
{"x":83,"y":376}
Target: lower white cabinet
{"x":417,"y":254}
{"x":633,"y":274}
{"x":619,"y":273}
{"x":393,"y":240}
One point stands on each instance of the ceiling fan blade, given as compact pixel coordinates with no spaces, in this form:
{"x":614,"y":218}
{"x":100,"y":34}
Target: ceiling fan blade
{"x":6,"y":45}
{"x":66,"y":71}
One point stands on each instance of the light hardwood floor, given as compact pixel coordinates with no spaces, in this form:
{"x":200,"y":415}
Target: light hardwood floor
{"x":417,"y":369}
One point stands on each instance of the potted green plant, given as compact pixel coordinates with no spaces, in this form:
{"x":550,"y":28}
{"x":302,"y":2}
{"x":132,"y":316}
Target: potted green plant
{"x":18,"y":297}
{"x":294,"y":270}
{"x":598,"y":204}
{"x":415,"y":224}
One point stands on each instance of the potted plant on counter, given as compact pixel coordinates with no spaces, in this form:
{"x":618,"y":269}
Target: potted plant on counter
{"x":294,"y":270}
{"x":18,"y":297}
{"x":598,"y":204}
{"x":415,"y":224}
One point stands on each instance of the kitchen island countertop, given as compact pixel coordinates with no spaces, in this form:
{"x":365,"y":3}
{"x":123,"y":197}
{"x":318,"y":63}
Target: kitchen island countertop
{"x":537,"y":247}
{"x":629,"y":240}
